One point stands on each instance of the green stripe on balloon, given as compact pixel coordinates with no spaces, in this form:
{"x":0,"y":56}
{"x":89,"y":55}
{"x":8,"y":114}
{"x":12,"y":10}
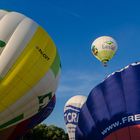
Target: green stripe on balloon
{"x":13,"y":121}
{"x":56,"y":65}
{"x":2,"y":43}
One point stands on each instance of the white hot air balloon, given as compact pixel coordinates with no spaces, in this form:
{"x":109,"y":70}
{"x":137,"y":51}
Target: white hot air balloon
{"x":104,"y":48}
{"x":71,"y":113}
{"x":29,"y":69}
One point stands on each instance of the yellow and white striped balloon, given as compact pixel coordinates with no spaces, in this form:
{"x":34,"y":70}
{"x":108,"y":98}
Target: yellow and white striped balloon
{"x":29,"y":68}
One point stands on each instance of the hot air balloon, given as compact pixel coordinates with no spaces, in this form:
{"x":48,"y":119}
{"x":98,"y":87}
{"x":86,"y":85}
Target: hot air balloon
{"x":104,"y":48}
{"x":112,"y":109}
{"x":29,"y":68}
{"x":16,"y":131}
{"x":71,"y":113}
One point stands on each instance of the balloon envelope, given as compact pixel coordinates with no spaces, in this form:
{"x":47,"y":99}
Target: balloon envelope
{"x":15,"y":132}
{"x":29,"y":68}
{"x":104,"y":48}
{"x":71,"y":113}
{"x":112,"y":110}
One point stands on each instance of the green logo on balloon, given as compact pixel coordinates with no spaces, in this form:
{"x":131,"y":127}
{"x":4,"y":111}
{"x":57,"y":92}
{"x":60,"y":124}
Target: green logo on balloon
{"x":2,"y":44}
{"x":109,"y":42}
{"x":42,"y":100}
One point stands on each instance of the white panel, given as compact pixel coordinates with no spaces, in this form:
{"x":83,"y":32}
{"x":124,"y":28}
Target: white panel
{"x":3,"y":13}
{"x":16,"y":44}
{"x":6,"y":29}
{"x":76,"y":101}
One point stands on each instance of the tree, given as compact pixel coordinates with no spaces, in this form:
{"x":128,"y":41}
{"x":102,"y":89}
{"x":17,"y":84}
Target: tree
{"x":44,"y":132}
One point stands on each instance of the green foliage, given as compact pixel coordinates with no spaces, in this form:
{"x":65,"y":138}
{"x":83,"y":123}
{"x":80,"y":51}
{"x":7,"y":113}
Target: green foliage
{"x":44,"y":132}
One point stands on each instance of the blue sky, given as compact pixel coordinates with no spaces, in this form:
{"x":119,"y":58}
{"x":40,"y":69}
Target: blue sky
{"x":73,"y":25}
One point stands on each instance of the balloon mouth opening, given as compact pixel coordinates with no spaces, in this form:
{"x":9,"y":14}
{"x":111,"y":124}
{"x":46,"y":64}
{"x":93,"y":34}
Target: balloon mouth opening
{"x":104,"y":62}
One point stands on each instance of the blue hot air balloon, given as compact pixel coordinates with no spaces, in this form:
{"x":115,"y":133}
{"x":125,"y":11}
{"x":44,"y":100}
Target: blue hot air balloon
{"x":112,"y":109}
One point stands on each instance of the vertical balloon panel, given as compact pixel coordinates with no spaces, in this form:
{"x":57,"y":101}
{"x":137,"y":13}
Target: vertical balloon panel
{"x":71,"y":113}
{"x":71,"y":116}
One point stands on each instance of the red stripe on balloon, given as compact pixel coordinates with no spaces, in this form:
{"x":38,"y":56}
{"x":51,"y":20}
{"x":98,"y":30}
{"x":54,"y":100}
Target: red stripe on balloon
{"x":127,"y":133}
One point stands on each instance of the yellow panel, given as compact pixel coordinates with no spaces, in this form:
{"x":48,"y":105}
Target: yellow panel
{"x":30,"y":67}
